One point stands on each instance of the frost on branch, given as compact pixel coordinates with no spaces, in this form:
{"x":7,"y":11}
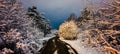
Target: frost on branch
{"x":39,"y":20}
{"x":16,"y":33}
{"x":102,"y":32}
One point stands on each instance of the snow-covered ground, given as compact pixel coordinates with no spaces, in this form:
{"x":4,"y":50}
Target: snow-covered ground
{"x":79,"y":47}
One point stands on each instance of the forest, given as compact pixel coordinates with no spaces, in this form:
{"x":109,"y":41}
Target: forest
{"x":95,"y":31}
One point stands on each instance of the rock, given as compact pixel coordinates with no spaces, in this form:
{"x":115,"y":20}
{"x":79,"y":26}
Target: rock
{"x":56,"y":46}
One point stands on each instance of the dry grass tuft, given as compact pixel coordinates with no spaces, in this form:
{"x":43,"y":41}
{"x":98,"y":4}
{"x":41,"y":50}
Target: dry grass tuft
{"x":68,"y":30}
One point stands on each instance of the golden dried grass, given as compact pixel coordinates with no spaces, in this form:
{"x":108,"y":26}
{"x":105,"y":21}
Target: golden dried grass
{"x":68,"y":30}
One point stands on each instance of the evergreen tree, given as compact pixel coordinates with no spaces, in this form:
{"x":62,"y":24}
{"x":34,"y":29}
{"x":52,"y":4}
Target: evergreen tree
{"x":85,"y":15}
{"x":72,"y":17}
{"x":84,"y":18}
{"x":39,"y":20}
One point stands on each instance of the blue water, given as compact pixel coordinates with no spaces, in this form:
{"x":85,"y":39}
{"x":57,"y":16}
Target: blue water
{"x":58,"y":18}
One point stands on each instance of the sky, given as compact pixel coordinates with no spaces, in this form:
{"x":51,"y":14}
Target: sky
{"x":57,"y":11}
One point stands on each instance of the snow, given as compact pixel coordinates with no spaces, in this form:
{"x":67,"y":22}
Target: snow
{"x":80,"y":48}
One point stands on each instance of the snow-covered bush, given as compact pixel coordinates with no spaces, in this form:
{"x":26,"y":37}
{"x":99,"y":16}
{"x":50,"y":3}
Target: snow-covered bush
{"x":68,"y":30}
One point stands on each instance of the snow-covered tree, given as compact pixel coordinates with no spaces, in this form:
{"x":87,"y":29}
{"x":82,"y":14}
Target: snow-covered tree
{"x":39,"y":20}
{"x":72,"y":17}
{"x":102,"y":32}
{"x":12,"y":21}
{"x":110,"y":26}
{"x":16,"y":33}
